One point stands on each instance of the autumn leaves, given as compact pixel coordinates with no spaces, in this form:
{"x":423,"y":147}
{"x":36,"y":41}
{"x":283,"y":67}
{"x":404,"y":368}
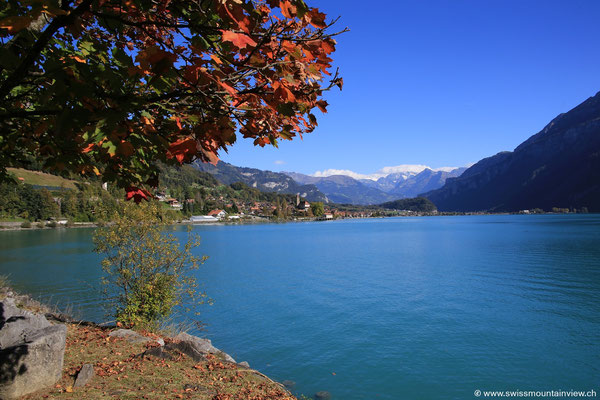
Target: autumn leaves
{"x":128,"y":84}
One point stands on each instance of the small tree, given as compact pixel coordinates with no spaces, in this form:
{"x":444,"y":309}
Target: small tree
{"x":317,"y":208}
{"x":147,"y":272}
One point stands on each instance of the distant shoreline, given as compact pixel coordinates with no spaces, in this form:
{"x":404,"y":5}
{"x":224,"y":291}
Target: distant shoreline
{"x":16,"y":226}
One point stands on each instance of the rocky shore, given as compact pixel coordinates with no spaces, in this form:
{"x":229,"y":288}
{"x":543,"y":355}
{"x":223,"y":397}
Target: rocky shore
{"x":46,"y":354}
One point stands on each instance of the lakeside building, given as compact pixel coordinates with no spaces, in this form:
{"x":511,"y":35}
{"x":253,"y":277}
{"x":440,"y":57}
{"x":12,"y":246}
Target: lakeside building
{"x":217,"y":214}
{"x":203,"y":218}
{"x":174,"y":203}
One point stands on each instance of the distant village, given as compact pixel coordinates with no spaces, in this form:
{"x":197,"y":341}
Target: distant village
{"x":236,"y":210}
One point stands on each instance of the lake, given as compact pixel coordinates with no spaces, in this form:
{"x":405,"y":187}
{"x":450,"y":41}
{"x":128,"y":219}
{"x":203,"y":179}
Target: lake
{"x":396,"y":308}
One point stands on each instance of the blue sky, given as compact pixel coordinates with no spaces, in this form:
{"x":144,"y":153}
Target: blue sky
{"x":442,"y":83}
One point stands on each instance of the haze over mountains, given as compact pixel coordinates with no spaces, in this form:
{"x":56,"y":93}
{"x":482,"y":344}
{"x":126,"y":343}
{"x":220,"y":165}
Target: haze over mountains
{"x":557,"y":167}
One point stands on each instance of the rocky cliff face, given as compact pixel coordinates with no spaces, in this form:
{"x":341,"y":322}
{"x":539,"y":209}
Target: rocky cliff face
{"x":557,"y":167}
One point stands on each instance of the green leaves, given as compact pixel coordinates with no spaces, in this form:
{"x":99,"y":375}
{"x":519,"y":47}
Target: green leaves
{"x":105,"y":75}
{"x":147,"y":272}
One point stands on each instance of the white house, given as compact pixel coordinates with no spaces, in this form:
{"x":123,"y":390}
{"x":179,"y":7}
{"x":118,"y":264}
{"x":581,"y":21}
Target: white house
{"x":217,"y":213}
{"x":203,"y":218}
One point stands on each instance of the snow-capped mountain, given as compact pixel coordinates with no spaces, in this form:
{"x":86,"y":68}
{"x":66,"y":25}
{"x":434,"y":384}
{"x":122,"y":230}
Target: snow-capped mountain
{"x":405,"y":181}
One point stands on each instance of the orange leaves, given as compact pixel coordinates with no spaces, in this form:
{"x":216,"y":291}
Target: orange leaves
{"x":216,"y":59}
{"x":228,"y":88}
{"x":290,"y":47}
{"x":261,"y":141}
{"x":163,"y":92}
{"x":183,"y":149}
{"x":178,"y":122}
{"x":287,"y":9}
{"x":88,"y":148}
{"x":239,"y":40}
{"x":209,"y":153}
{"x":283,"y":92}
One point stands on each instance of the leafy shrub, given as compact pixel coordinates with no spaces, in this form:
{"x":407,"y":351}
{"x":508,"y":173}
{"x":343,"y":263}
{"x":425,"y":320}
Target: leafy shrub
{"x":52,"y":224}
{"x":26,"y":224}
{"x":147,"y":271}
{"x":40,"y":224}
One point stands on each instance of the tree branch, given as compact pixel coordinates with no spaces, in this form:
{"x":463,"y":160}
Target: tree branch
{"x":21,"y":71}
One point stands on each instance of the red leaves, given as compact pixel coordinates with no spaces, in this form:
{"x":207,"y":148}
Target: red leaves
{"x":137,"y":194}
{"x":125,"y":149}
{"x":322,"y":104}
{"x":180,"y":97}
{"x":328,"y":46}
{"x":155,"y":60}
{"x":239,"y":40}
{"x":183,"y":149}
{"x":316,"y":18}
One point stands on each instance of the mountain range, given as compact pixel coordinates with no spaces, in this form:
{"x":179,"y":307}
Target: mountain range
{"x":265,"y":181}
{"x":344,"y":189}
{"x":557,"y":167}
{"x":340,"y":189}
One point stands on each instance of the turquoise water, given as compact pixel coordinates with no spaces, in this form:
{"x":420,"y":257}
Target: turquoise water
{"x":399,"y":308}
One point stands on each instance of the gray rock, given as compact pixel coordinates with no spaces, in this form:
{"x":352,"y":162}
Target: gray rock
{"x":244,"y":364}
{"x":129,"y":335}
{"x":194,"y":344}
{"x":288,"y":384}
{"x":201,"y":345}
{"x":159,"y":352}
{"x":225,"y":356}
{"x":33,"y":364}
{"x":322,"y":395}
{"x":16,"y":325}
{"x":86,"y":373}
{"x":186,"y":348}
